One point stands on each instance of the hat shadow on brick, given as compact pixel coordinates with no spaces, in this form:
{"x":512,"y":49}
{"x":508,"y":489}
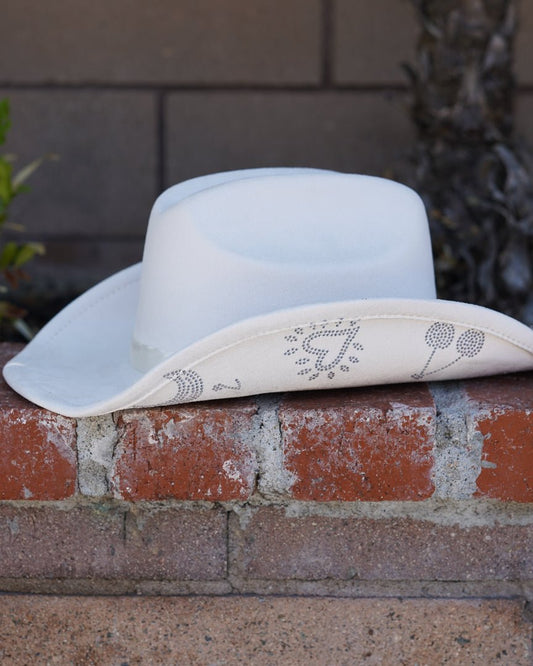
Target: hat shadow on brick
{"x":262,"y":281}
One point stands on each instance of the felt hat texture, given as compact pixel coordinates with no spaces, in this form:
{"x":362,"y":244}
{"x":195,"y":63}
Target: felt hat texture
{"x":260,"y":281}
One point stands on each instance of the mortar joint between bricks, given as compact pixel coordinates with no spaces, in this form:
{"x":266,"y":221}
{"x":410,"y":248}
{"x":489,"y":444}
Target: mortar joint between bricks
{"x":458,"y":444}
{"x":96,"y":441}
{"x":125,"y":525}
{"x":272,"y":479}
{"x":77,"y":457}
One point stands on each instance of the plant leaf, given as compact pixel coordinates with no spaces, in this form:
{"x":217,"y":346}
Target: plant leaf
{"x":26,"y":252}
{"x":6,"y":189}
{"x":5,"y":122}
{"x":8,"y":254}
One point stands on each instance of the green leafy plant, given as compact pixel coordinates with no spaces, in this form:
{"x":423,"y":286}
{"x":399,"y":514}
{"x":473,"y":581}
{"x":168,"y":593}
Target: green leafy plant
{"x":14,"y":254}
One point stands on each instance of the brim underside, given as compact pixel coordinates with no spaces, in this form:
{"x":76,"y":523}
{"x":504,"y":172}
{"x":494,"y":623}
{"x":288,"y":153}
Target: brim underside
{"x":79,"y":364}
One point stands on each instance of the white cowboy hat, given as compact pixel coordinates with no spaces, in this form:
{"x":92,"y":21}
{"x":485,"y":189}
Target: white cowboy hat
{"x":261,"y":281}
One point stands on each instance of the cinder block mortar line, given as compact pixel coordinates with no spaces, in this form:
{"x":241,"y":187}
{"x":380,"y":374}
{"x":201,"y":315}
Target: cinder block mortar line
{"x":321,"y":87}
{"x":326,"y":588}
{"x":108,"y":503}
{"x":462,"y":513}
{"x":327,"y":38}
{"x":111,"y":238}
{"x":409,"y":589}
{"x":208,"y":87}
{"x":161,"y":141}
{"x":326,"y":84}
{"x":228,"y":551}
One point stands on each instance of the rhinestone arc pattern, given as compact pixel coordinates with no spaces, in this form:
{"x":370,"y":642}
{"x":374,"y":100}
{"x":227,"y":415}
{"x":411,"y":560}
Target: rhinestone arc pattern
{"x":191,"y":386}
{"x":189,"y":383}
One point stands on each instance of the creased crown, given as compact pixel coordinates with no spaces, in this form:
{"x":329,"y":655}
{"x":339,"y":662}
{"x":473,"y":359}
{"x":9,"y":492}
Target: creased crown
{"x":260,"y":244}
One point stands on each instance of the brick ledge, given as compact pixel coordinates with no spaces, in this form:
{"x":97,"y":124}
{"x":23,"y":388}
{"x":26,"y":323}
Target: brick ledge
{"x":450,"y":441}
{"x":419,"y":490}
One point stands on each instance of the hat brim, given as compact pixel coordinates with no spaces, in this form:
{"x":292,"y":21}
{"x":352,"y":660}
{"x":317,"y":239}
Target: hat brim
{"x":79,"y":363}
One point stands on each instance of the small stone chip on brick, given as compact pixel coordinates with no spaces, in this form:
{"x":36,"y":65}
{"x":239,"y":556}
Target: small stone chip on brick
{"x":364,"y":444}
{"x":501,"y":409}
{"x":196,"y":452}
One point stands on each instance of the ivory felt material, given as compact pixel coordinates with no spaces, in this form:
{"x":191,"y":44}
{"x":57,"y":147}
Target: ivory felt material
{"x":263,"y":281}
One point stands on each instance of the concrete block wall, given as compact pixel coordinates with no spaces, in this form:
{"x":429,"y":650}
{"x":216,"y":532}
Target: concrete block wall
{"x":135,"y":96}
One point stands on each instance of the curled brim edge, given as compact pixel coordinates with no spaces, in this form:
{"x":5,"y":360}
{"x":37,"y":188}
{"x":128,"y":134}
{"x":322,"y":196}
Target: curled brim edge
{"x":79,"y":364}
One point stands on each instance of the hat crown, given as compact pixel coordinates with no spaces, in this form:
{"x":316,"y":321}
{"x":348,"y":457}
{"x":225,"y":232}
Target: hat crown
{"x":253,"y":246}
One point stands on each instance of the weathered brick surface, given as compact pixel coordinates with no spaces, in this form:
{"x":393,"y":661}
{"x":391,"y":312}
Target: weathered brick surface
{"x":37,"y":456}
{"x":372,"y":40}
{"x":503,"y":413}
{"x":111,"y":542}
{"x":199,"y":452}
{"x":161,"y":41}
{"x":215,"y":131}
{"x":273,"y":545}
{"x":244,"y":630}
{"x":104,"y":181}
{"x":365,"y":444}
{"x":37,"y":448}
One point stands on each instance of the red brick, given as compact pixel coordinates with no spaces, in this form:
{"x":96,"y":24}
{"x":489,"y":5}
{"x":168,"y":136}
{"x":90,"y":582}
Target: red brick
{"x":37,"y":447}
{"x":108,"y":541}
{"x":262,"y":631}
{"x":197,"y":452}
{"x":503,"y":414}
{"x":272,"y":545}
{"x":365,"y":444}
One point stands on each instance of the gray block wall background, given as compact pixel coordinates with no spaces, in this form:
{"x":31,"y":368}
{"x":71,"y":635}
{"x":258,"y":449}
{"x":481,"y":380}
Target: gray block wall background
{"x":135,"y":96}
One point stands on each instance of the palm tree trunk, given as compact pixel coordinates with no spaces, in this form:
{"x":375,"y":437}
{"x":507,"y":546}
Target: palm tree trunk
{"x":468,"y":168}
